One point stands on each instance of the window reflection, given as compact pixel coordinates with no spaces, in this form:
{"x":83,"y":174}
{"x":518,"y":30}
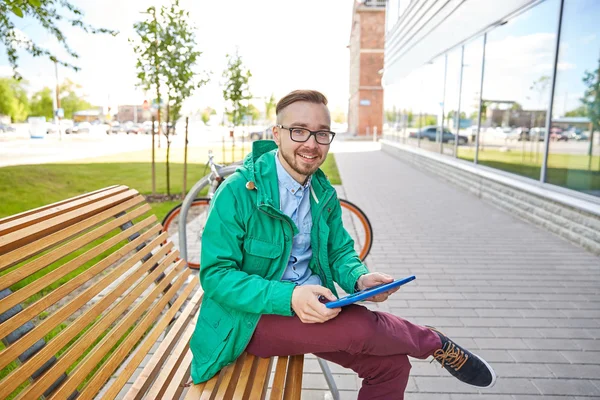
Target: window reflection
{"x":516,"y":91}
{"x":574,"y":153}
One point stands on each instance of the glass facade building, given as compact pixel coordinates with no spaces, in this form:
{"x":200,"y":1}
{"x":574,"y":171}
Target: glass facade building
{"x":521,"y":95}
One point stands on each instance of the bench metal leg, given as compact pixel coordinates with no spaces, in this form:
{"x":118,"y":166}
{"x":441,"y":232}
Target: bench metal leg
{"x":329,"y":378}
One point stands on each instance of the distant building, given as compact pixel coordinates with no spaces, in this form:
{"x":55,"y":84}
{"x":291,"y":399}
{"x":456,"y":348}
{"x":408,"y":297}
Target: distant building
{"x":365,"y":106}
{"x":135,"y":113}
{"x":93,"y":114}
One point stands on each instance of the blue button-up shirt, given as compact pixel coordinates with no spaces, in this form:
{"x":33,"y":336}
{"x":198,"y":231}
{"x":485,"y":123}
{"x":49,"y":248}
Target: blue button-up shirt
{"x":295,"y":203}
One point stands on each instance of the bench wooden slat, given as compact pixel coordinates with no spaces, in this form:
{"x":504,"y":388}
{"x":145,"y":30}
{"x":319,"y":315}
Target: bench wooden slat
{"x":279,"y":379}
{"x":56,"y":210}
{"x":209,"y":387}
{"x":123,"y":350}
{"x":23,"y":214}
{"x":261,"y":379}
{"x":153,"y":366}
{"x":151,"y":339}
{"x":82,"y":321}
{"x":173,"y":361}
{"x":195,"y":391}
{"x":293,"y":378}
{"x":175,"y":387}
{"x":53,"y":276}
{"x":229,"y":376}
{"x":43,"y":261}
{"x":93,"y":358}
{"x":36,"y":231}
{"x":34,"y":309}
{"x":32,"y":248}
{"x":248,"y":368}
{"x":63,"y":338}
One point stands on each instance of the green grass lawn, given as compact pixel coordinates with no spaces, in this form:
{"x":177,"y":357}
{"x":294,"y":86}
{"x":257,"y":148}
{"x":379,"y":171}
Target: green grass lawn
{"x":572,"y":171}
{"x":30,"y":186}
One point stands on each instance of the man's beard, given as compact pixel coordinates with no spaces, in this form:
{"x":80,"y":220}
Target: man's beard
{"x":299,"y":167}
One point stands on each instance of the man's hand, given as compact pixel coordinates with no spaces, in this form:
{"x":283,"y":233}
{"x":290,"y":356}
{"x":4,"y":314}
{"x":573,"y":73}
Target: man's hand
{"x":374,"y":279}
{"x":306,"y":304}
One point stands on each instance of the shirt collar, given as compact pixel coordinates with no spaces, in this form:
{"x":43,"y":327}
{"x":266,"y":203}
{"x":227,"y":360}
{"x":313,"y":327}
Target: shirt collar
{"x":286,"y":180}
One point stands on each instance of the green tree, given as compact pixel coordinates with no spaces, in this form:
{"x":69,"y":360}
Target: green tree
{"x":47,"y":13}
{"x":580,"y":111}
{"x":150,"y":69}
{"x":270,"y":106}
{"x":591,"y":101}
{"x":167,"y":56}
{"x":13,"y":99}
{"x":206,"y":114}
{"x":237,"y":90}
{"x":178,"y":38}
{"x":391,"y":115}
{"x":70,"y":101}
{"x":42,"y":104}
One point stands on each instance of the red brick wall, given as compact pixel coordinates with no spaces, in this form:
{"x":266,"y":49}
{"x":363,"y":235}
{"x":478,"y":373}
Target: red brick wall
{"x":372,"y":35}
{"x":371,"y":115}
{"x":370,"y":65}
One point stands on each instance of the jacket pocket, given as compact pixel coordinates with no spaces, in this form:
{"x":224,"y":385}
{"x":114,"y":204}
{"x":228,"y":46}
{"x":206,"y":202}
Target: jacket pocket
{"x":259,"y":255}
{"x":214,"y":327}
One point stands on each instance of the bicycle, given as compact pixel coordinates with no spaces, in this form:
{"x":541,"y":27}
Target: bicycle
{"x":195,"y":209}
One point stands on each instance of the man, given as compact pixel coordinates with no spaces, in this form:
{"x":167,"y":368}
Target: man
{"x":274,"y":244}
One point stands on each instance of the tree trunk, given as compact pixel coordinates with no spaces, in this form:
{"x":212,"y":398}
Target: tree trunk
{"x":153,"y":161}
{"x":185,"y":152}
{"x":168,"y":149}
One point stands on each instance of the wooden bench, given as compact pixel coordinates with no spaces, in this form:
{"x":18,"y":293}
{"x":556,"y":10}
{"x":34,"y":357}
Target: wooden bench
{"x":92,"y":293}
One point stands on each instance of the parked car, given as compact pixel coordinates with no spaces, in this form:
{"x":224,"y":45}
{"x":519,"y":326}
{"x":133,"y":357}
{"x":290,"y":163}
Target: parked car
{"x":81,"y":127}
{"x":135,"y":129}
{"x":266,"y":134}
{"x":431,"y":133}
{"x":557,"y":135}
{"x":576,"y":134}
{"x":6,"y":128}
{"x":115,"y":127}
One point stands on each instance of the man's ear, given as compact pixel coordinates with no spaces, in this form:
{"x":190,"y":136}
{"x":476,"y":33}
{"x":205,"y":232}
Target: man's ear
{"x":276,"y":133}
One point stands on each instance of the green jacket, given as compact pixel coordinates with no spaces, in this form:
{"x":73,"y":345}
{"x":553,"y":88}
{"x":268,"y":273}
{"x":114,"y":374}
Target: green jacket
{"x":246,"y":246}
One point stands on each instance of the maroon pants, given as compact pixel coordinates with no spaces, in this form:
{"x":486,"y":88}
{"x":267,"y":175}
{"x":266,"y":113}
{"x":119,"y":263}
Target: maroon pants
{"x":373,"y":344}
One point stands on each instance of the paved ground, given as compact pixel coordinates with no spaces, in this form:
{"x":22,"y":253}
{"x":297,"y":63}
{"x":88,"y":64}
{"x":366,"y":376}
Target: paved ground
{"x":526,"y":300}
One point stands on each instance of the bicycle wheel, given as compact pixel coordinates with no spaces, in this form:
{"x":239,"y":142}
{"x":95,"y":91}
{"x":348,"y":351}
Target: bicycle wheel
{"x":358,"y":226}
{"x":196,"y":219}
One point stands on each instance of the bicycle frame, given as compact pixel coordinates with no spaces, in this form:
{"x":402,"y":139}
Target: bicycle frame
{"x":213,"y":179}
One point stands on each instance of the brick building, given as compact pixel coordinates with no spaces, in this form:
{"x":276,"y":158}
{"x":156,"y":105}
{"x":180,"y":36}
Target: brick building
{"x":367,"y":38}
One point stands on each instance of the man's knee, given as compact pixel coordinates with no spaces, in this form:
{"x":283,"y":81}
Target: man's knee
{"x":384,"y":368}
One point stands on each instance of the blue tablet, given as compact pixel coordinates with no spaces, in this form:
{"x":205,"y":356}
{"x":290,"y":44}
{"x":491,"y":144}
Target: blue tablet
{"x":366,"y":293}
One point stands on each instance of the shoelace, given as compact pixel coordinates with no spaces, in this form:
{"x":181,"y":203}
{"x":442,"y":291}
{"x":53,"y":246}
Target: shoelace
{"x":453,"y":356}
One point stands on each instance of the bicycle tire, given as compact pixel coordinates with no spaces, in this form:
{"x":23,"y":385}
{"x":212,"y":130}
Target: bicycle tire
{"x":197,"y":213}
{"x":359,"y":227}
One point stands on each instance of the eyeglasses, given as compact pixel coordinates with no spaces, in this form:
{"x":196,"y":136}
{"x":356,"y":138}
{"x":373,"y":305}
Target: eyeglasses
{"x":303,"y":135}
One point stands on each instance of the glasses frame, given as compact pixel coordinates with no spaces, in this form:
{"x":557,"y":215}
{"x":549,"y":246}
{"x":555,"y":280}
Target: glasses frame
{"x":312,"y":133}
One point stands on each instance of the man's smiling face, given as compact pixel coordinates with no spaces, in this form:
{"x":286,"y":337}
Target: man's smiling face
{"x":302,"y":159}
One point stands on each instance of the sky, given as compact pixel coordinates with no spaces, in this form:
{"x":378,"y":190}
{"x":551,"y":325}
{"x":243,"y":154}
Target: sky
{"x":286,"y":44}
{"x":517,"y":54}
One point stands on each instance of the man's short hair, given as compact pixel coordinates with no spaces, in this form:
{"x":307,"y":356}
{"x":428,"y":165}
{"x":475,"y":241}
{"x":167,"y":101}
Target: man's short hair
{"x":311,"y":96}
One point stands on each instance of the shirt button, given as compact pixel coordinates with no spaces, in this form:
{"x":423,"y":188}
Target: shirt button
{"x":286,"y":237}
{"x":249,"y":324}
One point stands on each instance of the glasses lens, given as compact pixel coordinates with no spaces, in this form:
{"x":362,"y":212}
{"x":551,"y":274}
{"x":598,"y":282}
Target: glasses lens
{"x":299,"y":134}
{"x":324,"y":137}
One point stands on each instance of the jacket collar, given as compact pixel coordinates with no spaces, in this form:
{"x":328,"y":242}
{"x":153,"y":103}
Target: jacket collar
{"x":259,"y":167}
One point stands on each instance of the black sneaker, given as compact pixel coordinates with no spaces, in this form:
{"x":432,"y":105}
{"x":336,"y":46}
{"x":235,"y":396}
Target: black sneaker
{"x":462,"y":364}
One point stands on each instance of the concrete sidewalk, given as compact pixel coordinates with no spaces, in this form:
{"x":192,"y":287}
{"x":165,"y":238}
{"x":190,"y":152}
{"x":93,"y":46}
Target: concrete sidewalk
{"x":524,"y":299}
